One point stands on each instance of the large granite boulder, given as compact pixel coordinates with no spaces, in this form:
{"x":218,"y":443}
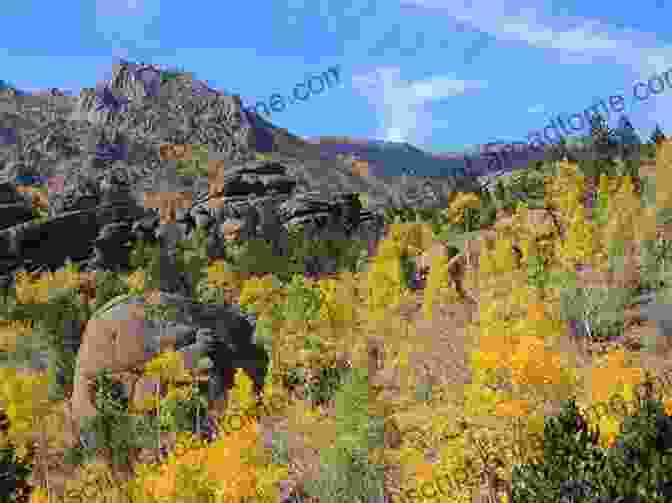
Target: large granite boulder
{"x":120,"y":337}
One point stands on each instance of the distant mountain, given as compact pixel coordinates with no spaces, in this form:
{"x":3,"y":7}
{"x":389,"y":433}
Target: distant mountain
{"x":7,"y":87}
{"x":387,"y":158}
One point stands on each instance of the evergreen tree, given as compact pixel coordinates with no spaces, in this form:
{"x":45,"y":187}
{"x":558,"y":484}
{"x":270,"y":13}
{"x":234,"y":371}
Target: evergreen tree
{"x":630,"y":145}
{"x":603,"y":144}
{"x":602,"y":136}
{"x":560,"y":150}
{"x":626,"y":134}
{"x":657,"y":136}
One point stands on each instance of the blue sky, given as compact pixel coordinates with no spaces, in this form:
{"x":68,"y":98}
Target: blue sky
{"x":440,"y":74}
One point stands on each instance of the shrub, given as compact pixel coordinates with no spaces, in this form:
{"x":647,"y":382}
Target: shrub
{"x":14,"y":474}
{"x":63,"y":320}
{"x":409,"y":273}
{"x":256,"y":258}
{"x":171,"y":74}
{"x":347,"y":473}
{"x":112,"y":428}
{"x":570,"y":452}
{"x":303,"y":300}
{"x":601,"y":307}
{"x":182,"y":409}
{"x":641,"y":457}
{"x":279,"y":448}
{"x":108,"y":285}
{"x":635,"y":468}
{"x":219,"y":279}
{"x":324,"y":383}
{"x":142,"y":253}
{"x":193,"y":258}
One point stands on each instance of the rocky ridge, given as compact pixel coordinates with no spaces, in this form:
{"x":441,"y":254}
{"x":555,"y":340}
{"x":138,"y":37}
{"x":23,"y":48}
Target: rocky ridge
{"x":104,"y":144}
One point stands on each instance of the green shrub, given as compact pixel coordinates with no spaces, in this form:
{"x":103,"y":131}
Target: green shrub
{"x":570,"y":453}
{"x":108,"y":286}
{"x":62,"y":320}
{"x":256,"y":257}
{"x":112,"y":429}
{"x":171,"y":74}
{"x":303,"y":301}
{"x":193,"y":258}
{"x":14,"y":475}
{"x":279,"y":448}
{"x":656,"y":264}
{"x":638,"y":467}
{"x":602,"y":308}
{"x":143,"y":253}
{"x":408,"y":269}
{"x":182,"y":415}
{"x":347,"y":474}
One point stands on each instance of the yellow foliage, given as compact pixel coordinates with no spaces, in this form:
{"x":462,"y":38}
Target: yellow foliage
{"x":39,"y":495}
{"x":10,"y":332}
{"x":580,"y":245}
{"x":221,"y":276}
{"x":258,"y":293}
{"x":35,"y":289}
{"x":338,"y":301}
{"x":505,"y":259}
{"x":93,"y":479}
{"x":516,"y":408}
{"x":384,"y":281}
{"x":565,"y":190}
{"x":230,"y":469}
{"x":24,"y":397}
{"x":463,"y":201}
{"x":168,"y":366}
{"x":668,"y":407}
{"x":136,"y":282}
{"x":664,"y":175}
{"x":242,"y":395}
{"x":412,"y":238}
{"x":438,"y":283}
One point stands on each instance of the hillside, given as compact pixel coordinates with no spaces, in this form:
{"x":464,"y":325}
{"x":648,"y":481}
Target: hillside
{"x":225,"y":320}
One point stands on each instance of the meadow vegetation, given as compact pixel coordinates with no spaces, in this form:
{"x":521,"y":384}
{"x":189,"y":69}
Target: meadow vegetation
{"x":493,"y":381}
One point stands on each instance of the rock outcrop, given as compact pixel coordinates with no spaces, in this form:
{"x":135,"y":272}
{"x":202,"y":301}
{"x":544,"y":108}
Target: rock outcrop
{"x":122,"y":338}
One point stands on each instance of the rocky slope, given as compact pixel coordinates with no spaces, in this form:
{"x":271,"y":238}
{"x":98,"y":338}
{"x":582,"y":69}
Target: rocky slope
{"x":104,"y":145}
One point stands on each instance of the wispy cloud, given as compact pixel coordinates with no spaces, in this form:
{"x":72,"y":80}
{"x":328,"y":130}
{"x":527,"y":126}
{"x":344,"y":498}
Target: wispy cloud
{"x":515,"y":22}
{"x":573,"y":39}
{"x":401,"y":105}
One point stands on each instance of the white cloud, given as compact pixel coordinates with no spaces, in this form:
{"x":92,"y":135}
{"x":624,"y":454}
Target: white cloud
{"x":574,"y":40}
{"x":515,"y":22}
{"x":402,"y":106}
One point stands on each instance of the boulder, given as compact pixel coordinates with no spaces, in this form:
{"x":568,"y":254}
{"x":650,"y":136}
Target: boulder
{"x":231,"y":229}
{"x":120,"y":337}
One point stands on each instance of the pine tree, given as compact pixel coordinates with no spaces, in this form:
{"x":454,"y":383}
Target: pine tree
{"x":630,"y":144}
{"x":602,"y":137}
{"x":627,"y":136}
{"x":562,"y":151}
{"x":657,"y":136}
{"x":602,"y":148}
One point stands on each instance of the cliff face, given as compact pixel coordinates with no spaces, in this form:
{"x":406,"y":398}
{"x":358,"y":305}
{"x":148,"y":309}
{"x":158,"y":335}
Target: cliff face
{"x":107,"y":148}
